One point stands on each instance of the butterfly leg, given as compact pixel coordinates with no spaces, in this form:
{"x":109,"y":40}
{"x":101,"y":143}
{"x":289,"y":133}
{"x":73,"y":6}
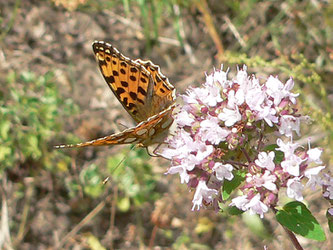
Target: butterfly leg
{"x":153,"y":153}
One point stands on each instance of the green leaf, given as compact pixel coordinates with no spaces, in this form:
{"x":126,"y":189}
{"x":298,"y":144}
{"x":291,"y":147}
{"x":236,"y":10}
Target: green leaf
{"x":4,"y":129}
{"x":229,"y":186}
{"x":28,"y":76}
{"x":124,"y":204}
{"x":4,"y":152}
{"x":93,"y":242}
{"x":256,"y":225}
{"x":233,"y":210}
{"x":297,"y":218}
{"x":204,"y":225}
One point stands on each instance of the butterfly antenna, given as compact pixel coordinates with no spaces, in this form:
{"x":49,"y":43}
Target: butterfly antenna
{"x":122,"y":160}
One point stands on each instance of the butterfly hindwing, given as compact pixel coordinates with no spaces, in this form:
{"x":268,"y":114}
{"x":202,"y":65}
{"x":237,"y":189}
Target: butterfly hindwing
{"x":143,"y":133}
{"x":164,"y":92}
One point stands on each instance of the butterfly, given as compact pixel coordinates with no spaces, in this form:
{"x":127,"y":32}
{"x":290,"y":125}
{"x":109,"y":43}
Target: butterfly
{"x":144,"y":92}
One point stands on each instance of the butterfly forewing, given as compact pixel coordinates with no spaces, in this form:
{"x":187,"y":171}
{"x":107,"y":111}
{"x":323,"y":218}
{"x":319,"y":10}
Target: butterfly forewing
{"x":143,"y":90}
{"x":128,"y":80}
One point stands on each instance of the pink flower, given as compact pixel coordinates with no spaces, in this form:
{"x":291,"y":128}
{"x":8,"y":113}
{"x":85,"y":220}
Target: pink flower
{"x":328,"y":183}
{"x":219,"y":78}
{"x":240,"y":202}
{"x":295,"y":188}
{"x":267,"y":180}
{"x":210,"y":130}
{"x":223,"y":171}
{"x":232,"y":121}
{"x":182,"y":171}
{"x":266,"y":160}
{"x":292,"y":165}
{"x":268,"y":114}
{"x":203,"y":193}
{"x":289,"y":124}
{"x":314,"y":154}
{"x":230,"y":116}
{"x":313,"y":175}
{"x":184,"y":118}
{"x":277,"y":90}
{"x":256,"y":206}
{"x":287,"y":148}
{"x":235,"y":99}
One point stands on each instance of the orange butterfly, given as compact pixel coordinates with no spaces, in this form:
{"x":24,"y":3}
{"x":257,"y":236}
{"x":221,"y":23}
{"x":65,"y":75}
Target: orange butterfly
{"x":144,"y":92}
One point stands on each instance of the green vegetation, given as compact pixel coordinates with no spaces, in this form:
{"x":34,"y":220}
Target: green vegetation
{"x":29,"y":119}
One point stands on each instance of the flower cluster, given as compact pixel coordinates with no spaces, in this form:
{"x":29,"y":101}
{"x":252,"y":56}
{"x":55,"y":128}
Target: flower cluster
{"x":228,"y":127}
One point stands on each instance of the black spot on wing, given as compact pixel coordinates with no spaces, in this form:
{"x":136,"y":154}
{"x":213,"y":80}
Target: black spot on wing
{"x":133,"y":78}
{"x":143,"y":80}
{"x":110,"y":79}
{"x":134,"y":70}
{"x":119,"y":91}
{"x":142,"y":102}
{"x":142,"y":91}
{"x":124,"y":84}
{"x":125,"y":101}
{"x":131,"y":106}
{"x":133,"y":95}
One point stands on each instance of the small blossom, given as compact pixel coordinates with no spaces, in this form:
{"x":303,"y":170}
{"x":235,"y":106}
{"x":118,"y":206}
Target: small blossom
{"x":211,"y":131}
{"x":184,"y":118}
{"x":203,"y":193}
{"x":242,"y":78}
{"x":313,"y":175}
{"x":292,"y":165}
{"x":277,"y":90}
{"x":219,"y":78}
{"x":214,"y":95}
{"x":295,"y":188}
{"x":240,"y":202}
{"x":179,"y":145}
{"x":287,"y":87}
{"x":235,"y":99}
{"x":267,"y":180}
{"x":230,"y":116}
{"x":255,"y":97}
{"x":193,"y":95}
{"x":268,"y":114}
{"x":328,"y":183}
{"x":182,"y":171}
{"x":330,"y":211}
{"x":289,"y":124}
{"x":203,"y":151}
{"x":256,"y":206}
{"x":287,"y":148}
{"x":274,"y":89}
{"x":266,"y":160}
{"x":223,"y":171}
{"x":314,"y":155}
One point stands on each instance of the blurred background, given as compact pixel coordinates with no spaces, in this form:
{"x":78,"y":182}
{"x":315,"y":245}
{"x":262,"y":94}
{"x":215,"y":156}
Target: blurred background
{"x":51,"y":92}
